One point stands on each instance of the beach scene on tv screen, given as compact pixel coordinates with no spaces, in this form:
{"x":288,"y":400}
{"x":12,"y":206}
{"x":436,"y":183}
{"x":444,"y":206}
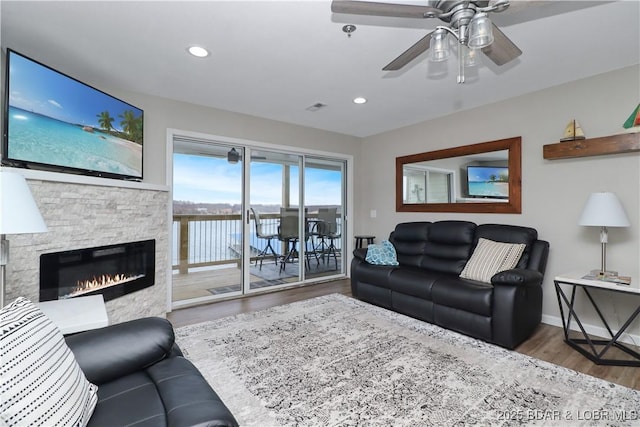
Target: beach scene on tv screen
{"x":56,"y":120}
{"x":488,"y":182}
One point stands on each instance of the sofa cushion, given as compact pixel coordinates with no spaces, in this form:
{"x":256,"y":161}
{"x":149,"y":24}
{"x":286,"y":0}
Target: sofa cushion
{"x":381,"y":254}
{"x":170,"y":392}
{"x":42,"y":383}
{"x":409,"y":239}
{"x":413,"y":281}
{"x":187,"y":397}
{"x":510,"y":234}
{"x":128,"y":400}
{"x":474,"y":297}
{"x":491,"y":257}
{"x":448,"y":247}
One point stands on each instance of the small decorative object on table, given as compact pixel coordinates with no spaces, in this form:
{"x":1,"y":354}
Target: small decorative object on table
{"x":608,"y":276}
{"x":572,"y":132}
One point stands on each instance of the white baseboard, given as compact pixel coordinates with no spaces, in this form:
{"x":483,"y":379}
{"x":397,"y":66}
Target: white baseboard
{"x":592,"y":330}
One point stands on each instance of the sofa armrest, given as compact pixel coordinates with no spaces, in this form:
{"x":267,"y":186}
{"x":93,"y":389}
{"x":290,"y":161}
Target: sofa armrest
{"x":360,"y":253}
{"x":517,"y":277}
{"x":118,"y":350}
{"x":517,"y":305}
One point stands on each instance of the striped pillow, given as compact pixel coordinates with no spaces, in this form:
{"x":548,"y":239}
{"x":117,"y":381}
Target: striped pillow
{"x":42,"y":384}
{"x":491,"y":257}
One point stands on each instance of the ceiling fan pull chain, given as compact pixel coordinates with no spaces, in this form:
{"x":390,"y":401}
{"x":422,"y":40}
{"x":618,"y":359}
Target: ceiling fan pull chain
{"x":460,"y":64}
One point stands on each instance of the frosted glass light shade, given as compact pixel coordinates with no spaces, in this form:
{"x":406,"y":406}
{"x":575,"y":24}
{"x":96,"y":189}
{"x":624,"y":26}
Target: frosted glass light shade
{"x":469,"y":56}
{"x":480,"y":31}
{"x":439,"y":46}
{"x":603,"y":210}
{"x":18,"y":211}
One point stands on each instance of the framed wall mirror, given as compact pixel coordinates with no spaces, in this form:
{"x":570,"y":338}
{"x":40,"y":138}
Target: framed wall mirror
{"x":477,"y":178}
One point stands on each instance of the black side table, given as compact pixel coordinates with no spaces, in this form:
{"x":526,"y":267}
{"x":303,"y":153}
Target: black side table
{"x":575,"y":281}
{"x":361,"y":239}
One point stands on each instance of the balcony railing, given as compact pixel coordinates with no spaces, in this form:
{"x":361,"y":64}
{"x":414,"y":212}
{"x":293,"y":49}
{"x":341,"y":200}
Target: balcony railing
{"x":208,"y":240}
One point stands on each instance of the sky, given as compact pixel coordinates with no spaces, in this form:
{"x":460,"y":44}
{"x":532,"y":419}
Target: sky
{"x":481,"y":174}
{"x":34,"y":87}
{"x":203,"y":179}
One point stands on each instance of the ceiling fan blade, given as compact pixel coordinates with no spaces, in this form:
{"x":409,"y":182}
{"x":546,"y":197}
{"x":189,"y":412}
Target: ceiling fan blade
{"x":410,"y":54}
{"x":502,"y":50}
{"x":383,"y":9}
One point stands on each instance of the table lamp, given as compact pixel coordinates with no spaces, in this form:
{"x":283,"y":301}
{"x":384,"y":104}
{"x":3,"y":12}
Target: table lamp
{"x":604,"y":210}
{"x":19,"y":214}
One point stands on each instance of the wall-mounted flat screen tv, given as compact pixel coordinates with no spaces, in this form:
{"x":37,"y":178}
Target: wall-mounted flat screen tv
{"x":57,"y":123}
{"x":491,"y":182}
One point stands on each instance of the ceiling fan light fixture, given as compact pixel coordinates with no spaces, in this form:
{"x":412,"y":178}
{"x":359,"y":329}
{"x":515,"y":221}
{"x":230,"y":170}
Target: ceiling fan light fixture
{"x":469,"y":56}
{"x":480,"y":31}
{"x":439,"y":46}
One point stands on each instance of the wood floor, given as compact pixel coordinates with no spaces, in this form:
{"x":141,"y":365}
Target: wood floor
{"x":547,"y":343}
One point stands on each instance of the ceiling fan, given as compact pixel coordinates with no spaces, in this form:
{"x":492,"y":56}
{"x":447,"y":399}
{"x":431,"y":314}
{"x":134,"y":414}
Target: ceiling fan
{"x":468,"y":24}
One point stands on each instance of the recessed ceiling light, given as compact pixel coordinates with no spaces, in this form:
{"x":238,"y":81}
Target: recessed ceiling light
{"x":198,"y":51}
{"x":359,"y":100}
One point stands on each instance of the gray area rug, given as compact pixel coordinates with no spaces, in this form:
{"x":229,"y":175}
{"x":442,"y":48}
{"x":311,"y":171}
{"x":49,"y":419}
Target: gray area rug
{"x":337,"y":361}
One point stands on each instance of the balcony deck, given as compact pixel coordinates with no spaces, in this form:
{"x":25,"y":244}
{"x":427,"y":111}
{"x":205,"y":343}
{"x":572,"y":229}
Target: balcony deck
{"x":207,"y":282}
{"x":207,"y":251}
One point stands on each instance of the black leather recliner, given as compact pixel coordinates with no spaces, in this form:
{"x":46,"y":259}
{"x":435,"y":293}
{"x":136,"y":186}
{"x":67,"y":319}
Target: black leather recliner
{"x":142,"y":378}
{"x":426,"y":285}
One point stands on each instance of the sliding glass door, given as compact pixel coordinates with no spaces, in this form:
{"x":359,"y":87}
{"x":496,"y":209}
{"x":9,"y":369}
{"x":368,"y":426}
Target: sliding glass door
{"x":246,"y":226}
{"x":276,"y":242}
{"x":324,"y":194}
{"x":208,"y":232}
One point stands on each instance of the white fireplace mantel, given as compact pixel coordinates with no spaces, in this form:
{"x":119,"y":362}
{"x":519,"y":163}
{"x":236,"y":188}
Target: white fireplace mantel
{"x":85,"y":180}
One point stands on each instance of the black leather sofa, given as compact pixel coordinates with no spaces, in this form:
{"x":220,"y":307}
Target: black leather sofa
{"x":426,"y":283}
{"x":142,"y":378}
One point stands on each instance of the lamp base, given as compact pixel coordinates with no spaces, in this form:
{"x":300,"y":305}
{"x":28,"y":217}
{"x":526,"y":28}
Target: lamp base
{"x":601,"y":274}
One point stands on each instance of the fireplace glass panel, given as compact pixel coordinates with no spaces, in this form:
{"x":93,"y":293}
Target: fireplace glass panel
{"x":112,"y":271}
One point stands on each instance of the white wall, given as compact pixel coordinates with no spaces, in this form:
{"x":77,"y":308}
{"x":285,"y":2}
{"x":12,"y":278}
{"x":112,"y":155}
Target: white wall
{"x":161,"y":114}
{"x":553,"y":192}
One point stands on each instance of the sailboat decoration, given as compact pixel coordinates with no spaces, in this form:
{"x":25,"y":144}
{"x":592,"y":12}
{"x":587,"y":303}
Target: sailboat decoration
{"x":633,"y":121}
{"x":572,"y":132}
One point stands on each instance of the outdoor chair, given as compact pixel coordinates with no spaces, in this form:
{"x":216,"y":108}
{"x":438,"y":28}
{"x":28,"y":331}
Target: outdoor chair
{"x":288,"y":232}
{"x":260,"y":232}
{"x":327,"y":231}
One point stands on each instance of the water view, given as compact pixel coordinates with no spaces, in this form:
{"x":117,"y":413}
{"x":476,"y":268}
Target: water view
{"x":41,"y":139}
{"x":489,"y":189}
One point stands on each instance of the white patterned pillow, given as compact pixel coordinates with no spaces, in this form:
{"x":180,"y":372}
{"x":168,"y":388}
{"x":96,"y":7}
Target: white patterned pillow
{"x":382,"y":254}
{"x":42,"y":384}
{"x":491,"y":257}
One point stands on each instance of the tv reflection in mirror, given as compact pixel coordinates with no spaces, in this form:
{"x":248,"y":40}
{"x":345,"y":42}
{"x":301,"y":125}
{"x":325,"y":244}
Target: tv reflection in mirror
{"x":490,"y":182}
{"x":57,"y":123}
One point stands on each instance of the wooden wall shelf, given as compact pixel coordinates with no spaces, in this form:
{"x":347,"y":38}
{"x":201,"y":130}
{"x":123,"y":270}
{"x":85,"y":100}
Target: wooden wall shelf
{"x":614,"y":144}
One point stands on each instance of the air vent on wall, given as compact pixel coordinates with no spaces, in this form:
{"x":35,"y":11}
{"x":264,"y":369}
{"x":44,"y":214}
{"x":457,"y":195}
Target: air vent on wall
{"x":315,"y":107}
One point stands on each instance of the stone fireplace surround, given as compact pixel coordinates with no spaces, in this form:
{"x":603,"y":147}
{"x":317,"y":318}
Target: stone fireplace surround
{"x":83,"y":212}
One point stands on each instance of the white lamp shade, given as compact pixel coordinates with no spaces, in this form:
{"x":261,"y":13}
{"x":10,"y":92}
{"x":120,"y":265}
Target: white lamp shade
{"x":604,"y":210}
{"x":18,"y":211}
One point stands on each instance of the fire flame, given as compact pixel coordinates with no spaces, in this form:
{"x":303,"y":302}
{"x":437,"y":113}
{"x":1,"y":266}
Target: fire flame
{"x":100,"y":282}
